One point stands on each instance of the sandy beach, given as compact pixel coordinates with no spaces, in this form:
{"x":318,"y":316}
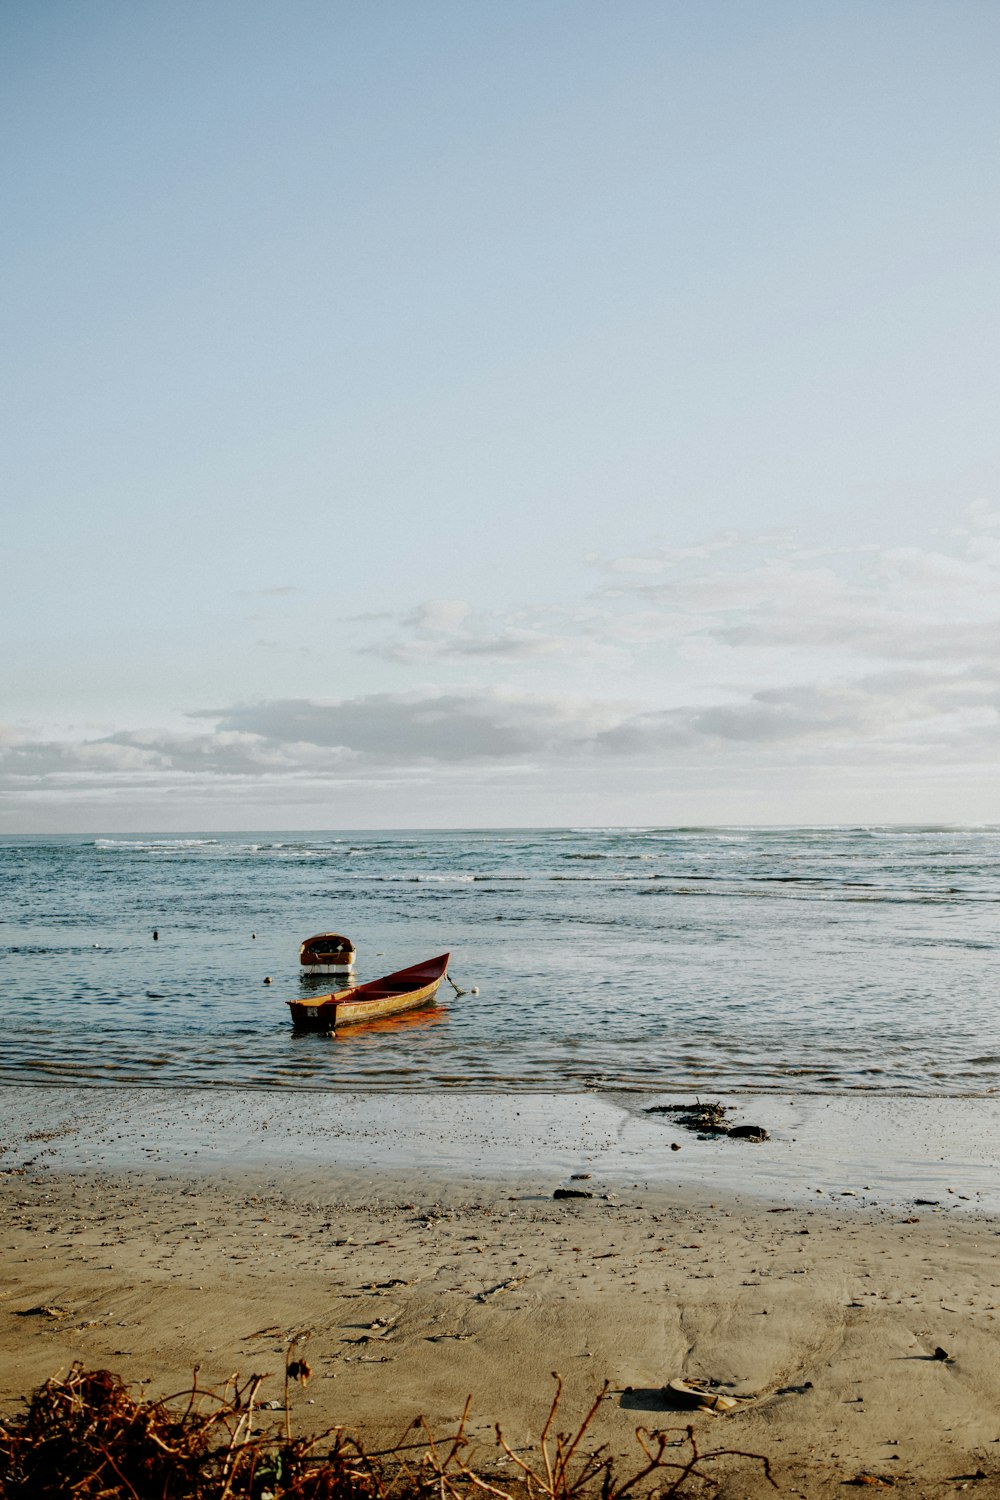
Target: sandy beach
{"x":821,"y":1276}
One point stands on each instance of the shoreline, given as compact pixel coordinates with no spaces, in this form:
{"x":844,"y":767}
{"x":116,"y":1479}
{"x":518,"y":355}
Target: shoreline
{"x":879,"y":1150}
{"x":147,"y":1231}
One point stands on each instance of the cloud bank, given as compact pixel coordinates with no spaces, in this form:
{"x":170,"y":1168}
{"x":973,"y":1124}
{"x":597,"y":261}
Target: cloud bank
{"x":714,"y":664}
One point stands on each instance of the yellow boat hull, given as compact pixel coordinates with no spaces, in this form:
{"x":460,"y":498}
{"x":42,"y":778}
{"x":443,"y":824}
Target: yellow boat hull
{"x":408,"y":989}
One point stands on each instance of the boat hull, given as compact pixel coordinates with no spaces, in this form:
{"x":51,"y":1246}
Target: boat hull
{"x":408,"y":989}
{"x":327,"y":953}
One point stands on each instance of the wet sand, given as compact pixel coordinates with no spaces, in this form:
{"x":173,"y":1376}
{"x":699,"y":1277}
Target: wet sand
{"x":418,"y":1240}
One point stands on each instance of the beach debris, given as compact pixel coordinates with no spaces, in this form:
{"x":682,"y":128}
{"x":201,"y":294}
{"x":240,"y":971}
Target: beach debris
{"x":675,"y":1145}
{"x":296,"y":1368}
{"x":502,"y":1286}
{"x":700,"y":1394}
{"x":573,"y":1192}
{"x":45,"y":1310}
{"x":580,"y":1176}
{"x":877,"y":1481}
{"x":940,"y":1353}
{"x":87,"y":1435}
{"x":708,"y":1119}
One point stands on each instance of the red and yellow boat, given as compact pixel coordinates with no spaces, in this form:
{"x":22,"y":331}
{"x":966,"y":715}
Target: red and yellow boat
{"x":407,"y":989}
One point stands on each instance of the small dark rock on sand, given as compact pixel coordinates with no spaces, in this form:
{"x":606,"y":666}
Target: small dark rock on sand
{"x":749,"y":1133}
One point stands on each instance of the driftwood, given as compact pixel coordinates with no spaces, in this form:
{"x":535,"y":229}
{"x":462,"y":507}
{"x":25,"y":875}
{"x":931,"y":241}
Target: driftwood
{"x":86,"y":1435}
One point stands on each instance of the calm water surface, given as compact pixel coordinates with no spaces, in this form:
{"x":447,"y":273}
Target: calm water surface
{"x":806,"y":959}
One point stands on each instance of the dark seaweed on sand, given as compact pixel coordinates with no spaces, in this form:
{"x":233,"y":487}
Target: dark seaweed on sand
{"x":708,"y":1118}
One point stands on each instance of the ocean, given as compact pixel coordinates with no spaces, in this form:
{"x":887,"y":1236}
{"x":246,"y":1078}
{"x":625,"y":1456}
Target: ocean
{"x":805,"y":960}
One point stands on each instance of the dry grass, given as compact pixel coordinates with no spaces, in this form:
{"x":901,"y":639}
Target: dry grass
{"x":86,"y":1436}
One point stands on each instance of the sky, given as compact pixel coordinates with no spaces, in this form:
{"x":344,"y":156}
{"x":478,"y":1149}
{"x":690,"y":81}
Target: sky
{"x":455,"y":413}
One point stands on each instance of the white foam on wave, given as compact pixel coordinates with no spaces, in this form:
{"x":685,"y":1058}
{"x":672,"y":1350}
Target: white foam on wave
{"x":611,"y":854}
{"x":154,"y":843}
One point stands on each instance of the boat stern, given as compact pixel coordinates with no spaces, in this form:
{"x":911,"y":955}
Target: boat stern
{"x":313,"y":1016}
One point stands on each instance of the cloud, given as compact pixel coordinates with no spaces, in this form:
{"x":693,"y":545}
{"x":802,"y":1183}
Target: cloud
{"x":449,"y":630}
{"x":755,"y":597}
{"x":731,"y":660}
{"x":440,"y":614}
{"x":891,"y":603}
{"x":277,"y":591}
{"x":662,"y":559}
{"x":505,"y":646}
{"x":958,"y":713}
{"x":395,"y":728}
{"x":605,"y":631}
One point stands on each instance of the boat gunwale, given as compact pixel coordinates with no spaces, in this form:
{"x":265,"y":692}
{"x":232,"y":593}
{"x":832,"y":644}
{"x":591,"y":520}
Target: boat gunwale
{"x":371,"y":992}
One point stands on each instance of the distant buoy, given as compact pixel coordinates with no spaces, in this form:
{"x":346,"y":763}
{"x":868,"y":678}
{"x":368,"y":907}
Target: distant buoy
{"x":156,"y":936}
{"x":267,"y":979}
{"x":254,"y":936}
{"x":474,"y":990}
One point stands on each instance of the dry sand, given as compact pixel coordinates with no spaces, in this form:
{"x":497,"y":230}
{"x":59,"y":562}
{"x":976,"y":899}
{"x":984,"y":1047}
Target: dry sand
{"x":151,"y":1232}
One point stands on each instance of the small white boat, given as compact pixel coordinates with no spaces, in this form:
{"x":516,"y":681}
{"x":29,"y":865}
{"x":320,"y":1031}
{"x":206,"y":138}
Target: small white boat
{"x":327,"y":953}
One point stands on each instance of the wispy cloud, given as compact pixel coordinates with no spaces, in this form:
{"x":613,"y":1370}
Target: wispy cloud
{"x":890,"y":603}
{"x":276,"y":591}
{"x":450,"y":630}
{"x":752,"y":597}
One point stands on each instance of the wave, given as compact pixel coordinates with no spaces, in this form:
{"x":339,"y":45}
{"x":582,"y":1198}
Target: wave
{"x":445,"y":878}
{"x":610,"y":854}
{"x":155,"y":843}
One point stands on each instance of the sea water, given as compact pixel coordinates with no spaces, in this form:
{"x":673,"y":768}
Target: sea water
{"x":650,"y":959}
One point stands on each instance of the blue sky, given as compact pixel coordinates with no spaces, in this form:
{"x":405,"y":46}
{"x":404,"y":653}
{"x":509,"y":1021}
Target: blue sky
{"x":465,"y":413}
